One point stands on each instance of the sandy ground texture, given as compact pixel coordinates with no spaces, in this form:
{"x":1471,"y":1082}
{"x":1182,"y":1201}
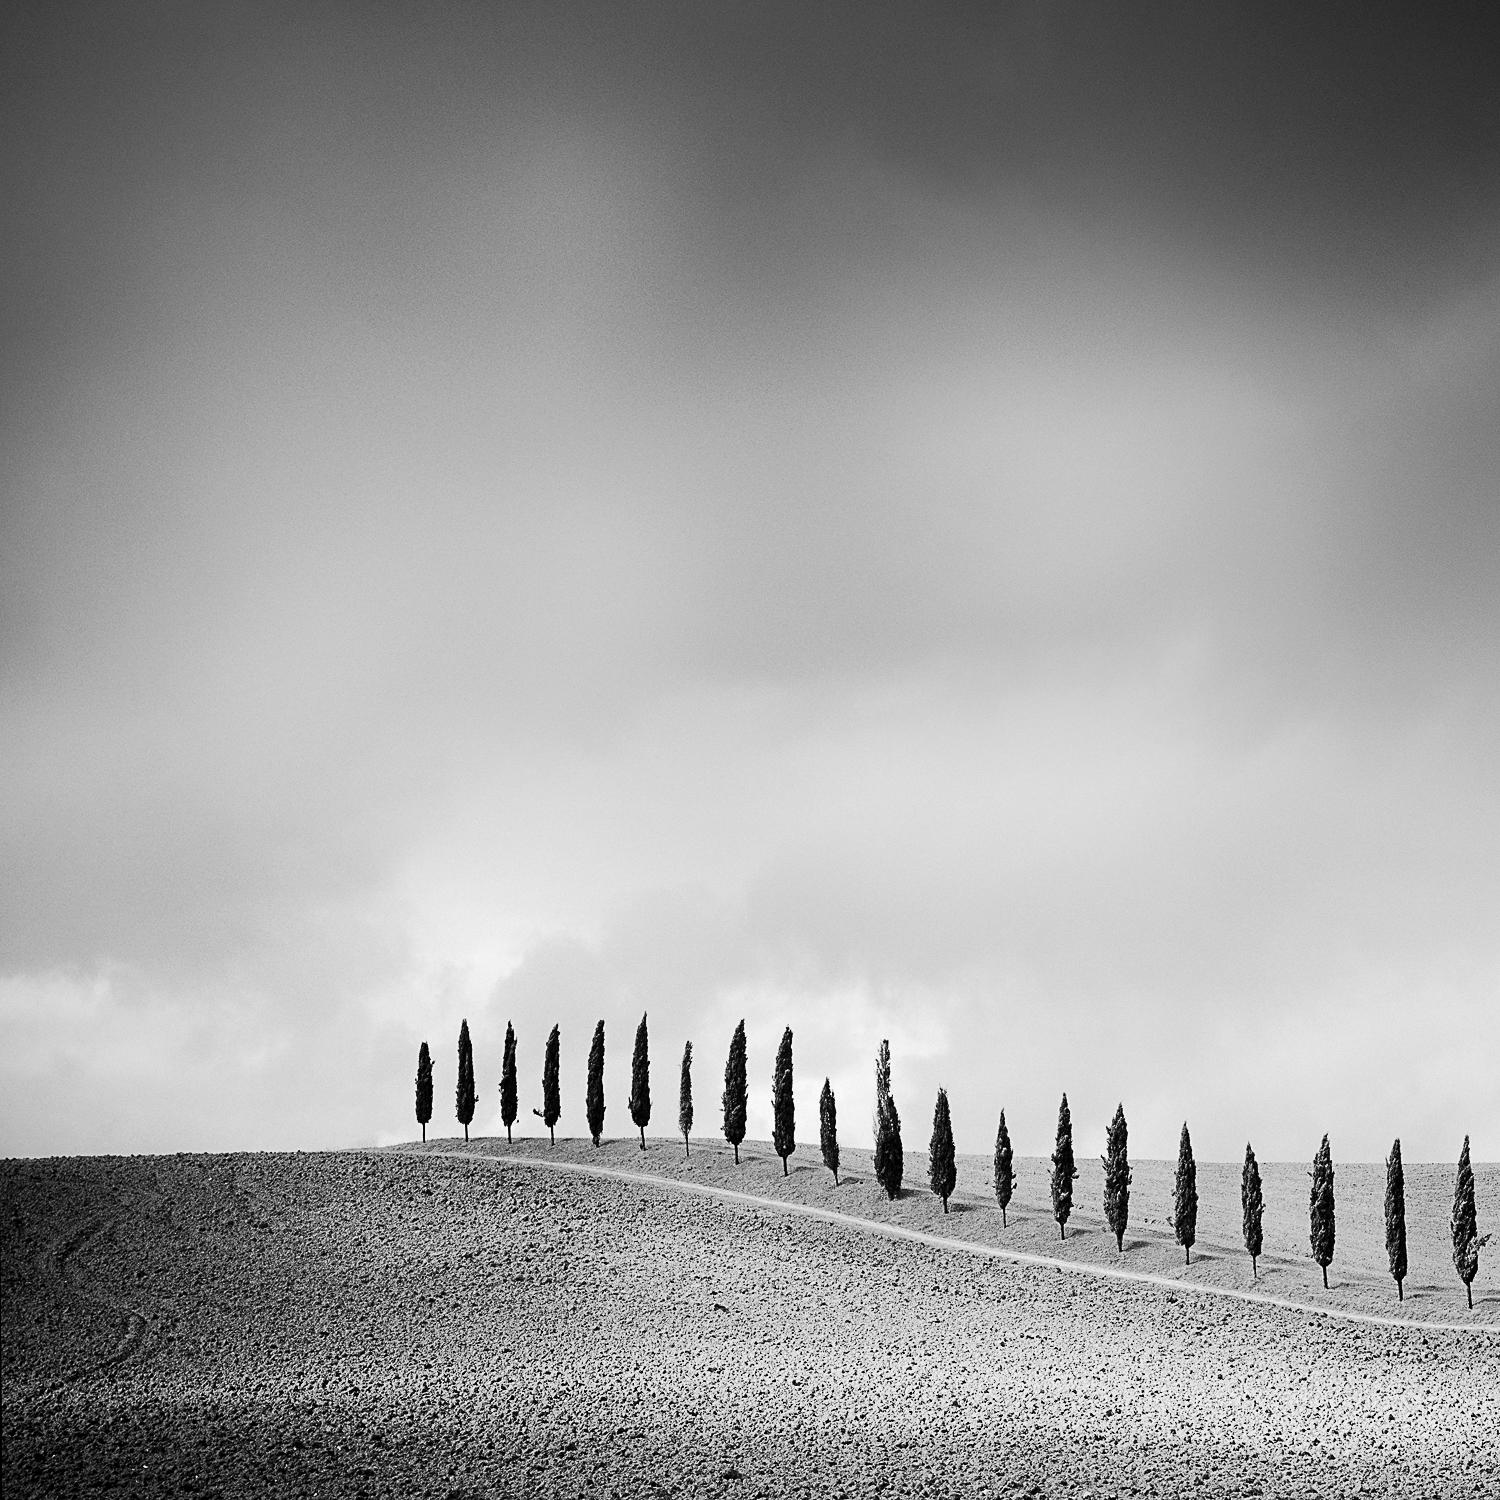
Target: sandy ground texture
{"x":460,"y":1326}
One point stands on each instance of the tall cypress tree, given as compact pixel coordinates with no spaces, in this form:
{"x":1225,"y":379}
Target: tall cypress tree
{"x":1251,"y":1207}
{"x":1117,"y":1175}
{"x":594,"y":1094}
{"x":1005,"y":1172}
{"x":783,"y":1104}
{"x":1185,"y":1196}
{"x":890,"y":1159}
{"x":465,"y":1094}
{"x":942,"y":1160}
{"x":1466,"y":1240}
{"x":551,"y":1110}
{"x":828,"y":1130}
{"x":640,"y":1082}
{"x":424,"y":1088}
{"x":685,"y":1098}
{"x":1063,"y":1170}
{"x":508,"y":1081}
{"x":1320,"y":1209}
{"x":1395,"y":1217}
{"x":736,"y":1092}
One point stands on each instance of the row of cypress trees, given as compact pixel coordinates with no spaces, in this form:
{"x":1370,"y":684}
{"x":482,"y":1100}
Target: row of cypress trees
{"x":889,"y":1163}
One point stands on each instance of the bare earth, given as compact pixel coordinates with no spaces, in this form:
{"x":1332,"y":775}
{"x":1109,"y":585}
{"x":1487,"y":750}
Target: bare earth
{"x":459,"y":1325}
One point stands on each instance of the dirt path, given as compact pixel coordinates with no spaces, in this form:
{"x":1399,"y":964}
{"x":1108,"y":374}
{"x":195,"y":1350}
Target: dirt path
{"x":970,"y":1247}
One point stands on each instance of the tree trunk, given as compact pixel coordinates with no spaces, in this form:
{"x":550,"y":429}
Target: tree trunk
{"x":552,"y":1134}
{"x":1400,"y":1293}
{"x":1469,"y":1288}
{"x":1002,"y":1219}
{"x":643,"y":1137}
{"x":736,"y":1153}
{"x":424,"y":1132}
{"x":1325,"y":1278}
{"x":1062,"y":1231}
{"x":685,"y":1150}
{"x":1187,"y":1255}
{"x":835,"y":1179}
{"x":1252,"y":1268}
{"x":784,"y":1171}
{"x":466,"y":1135}
{"x":945,"y":1205}
{"x":1120,"y":1242}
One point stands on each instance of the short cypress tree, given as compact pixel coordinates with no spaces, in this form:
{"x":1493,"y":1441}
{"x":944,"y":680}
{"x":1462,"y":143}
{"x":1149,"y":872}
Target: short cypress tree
{"x":640,"y":1082}
{"x":1005,"y":1172}
{"x":1063,"y":1170}
{"x":508,"y":1081}
{"x":1320,"y":1209}
{"x":1185,"y":1196}
{"x":1466,"y":1240}
{"x":890,"y":1159}
{"x":1395,"y":1217}
{"x":424,"y":1088}
{"x":685,"y":1098}
{"x":783,"y":1104}
{"x":551,"y":1110}
{"x":1251,"y":1207}
{"x":1117,"y":1177}
{"x":736,"y":1092}
{"x":942,"y":1160}
{"x":594,"y":1095}
{"x":465,"y":1095}
{"x":828,"y":1130}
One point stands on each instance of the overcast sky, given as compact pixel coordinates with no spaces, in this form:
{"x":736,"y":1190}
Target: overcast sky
{"x":976,"y":526}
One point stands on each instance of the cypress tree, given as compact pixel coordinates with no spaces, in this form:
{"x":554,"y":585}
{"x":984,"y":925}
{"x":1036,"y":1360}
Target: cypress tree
{"x":508,"y":1081}
{"x":1466,"y":1240}
{"x":640,"y":1082}
{"x":828,"y":1130}
{"x":1063,"y":1170}
{"x":1185,"y":1196}
{"x":1395,"y":1217}
{"x":736,"y":1092}
{"x":465,"y":1096}
{"x":1005,"y":1173}
{"x":551,"y":1110}
{"x":783,"y":1104}
{"x":890,"y":1159}
{"x":685,"y":1098}
{"x":942,"y":1160}
{"x":1320,"y":1209}
{"x":594,"y":1095}
{"x":424,"y":1088}
{"x":1251,"y":1207}
{"x":1117,"y":1177}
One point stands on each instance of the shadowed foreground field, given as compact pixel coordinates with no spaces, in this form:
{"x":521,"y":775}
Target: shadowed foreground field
{"x":406,"y":1324}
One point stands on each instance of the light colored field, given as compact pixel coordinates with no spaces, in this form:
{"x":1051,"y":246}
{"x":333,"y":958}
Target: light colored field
{"x":1359,"y":1280}
{"x":410,"y":1324}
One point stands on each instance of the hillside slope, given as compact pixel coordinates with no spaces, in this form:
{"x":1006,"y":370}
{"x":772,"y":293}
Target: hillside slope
{"x":394,"y":1324}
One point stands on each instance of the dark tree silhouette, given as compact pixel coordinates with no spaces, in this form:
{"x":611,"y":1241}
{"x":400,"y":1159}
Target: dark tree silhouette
{"x":942,"y":1160}
{"x":465,"y":1094}
{"x":1320,"y":1209}
{"x":783,"y":1104}
{"x":1063,"y":1169}
{"x":551,"y":1111}
{"x":508,"y":1081}
{"x":424,"y":1088}
{"x":828,"y":1130}
{"x":1395,"y":1217}
{"x":685,"y":1098}
{"x":736,"y":1092}
{"x":594,"y":1095}
{"x":1251,"y":1207}
{"x":1466,"y":1238}
{"x":1005,"y":1172}
{"x":890,"y":1159}
{"x":640,"y":1082}
{"x":1116,"y":1161}
{"x":1185,"y":1196}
